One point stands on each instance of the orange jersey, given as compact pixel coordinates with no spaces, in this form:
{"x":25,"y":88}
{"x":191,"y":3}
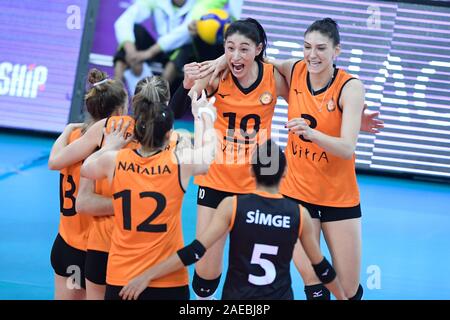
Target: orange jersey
{"x":244,"y":117}
{"x":314,"y":175}
{"x":147,"y":207}
{"x":73,"y":227}
{"x":102,"y":227}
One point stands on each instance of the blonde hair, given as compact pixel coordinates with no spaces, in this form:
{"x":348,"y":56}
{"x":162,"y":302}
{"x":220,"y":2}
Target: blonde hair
{"x":154,"y":88}
{"x":150,"y":107}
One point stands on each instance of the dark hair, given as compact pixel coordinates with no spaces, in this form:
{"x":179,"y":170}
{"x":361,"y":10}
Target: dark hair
{"x":268,"y":163}
{"x":156,"y":88}
{"x":103,"y":98}
{"x":252,"y":29}
{"x":328,"y":27}
{"x":153,"y":121}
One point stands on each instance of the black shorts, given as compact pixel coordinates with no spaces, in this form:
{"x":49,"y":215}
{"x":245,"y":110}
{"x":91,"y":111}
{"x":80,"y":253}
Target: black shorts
{"x":66,"y":260}
{"x":172,"y":293}
{"x":211,"y":198}
{"x":329,"y":214}
{"x":96,"y":262}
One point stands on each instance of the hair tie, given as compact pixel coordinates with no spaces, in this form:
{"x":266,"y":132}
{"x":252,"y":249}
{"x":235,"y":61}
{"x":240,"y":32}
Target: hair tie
{"x":100,"y":82}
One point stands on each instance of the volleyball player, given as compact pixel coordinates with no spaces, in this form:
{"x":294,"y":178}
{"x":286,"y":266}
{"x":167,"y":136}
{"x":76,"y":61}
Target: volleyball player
{"x":148,"y":185}
{"x":90,"y":202}
{"x":245,"y":103}
{"x":324,"y":119}
{"x":264,"y":227}
{"x":105,"y":97}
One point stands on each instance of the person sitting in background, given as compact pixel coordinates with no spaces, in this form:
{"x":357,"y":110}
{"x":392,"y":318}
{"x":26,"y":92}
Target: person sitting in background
{"x":173,"y":46}
{"x":203,"y":50}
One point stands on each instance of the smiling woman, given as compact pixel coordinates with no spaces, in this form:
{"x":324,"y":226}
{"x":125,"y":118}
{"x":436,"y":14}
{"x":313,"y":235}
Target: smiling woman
{"x":245,"y":102}
{"x":324,"y":113}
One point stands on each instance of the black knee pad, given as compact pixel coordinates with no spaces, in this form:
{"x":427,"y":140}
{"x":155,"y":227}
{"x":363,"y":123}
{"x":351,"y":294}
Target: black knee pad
{"x":204,"y":288}
{"x":317,"y":292}
{"x":359,"y":294}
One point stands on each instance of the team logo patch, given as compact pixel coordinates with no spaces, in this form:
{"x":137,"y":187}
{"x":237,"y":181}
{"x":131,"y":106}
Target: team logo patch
{"x":331,"y":106}
{"x":266,"y":98}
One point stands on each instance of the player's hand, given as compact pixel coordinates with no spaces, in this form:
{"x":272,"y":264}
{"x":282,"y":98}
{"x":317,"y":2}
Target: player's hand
{"x":298,"y":126}
{"x":192,"y":72}
{"x":211,"y":106}
{"x":118,"y":137}
{"x":218,"y":66}
{"x":369,"y":121}
{"x":135,"y":287}
{"x":203,"y":102}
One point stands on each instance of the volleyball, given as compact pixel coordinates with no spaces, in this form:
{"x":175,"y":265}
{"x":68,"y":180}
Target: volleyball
{"x":212,"y":26}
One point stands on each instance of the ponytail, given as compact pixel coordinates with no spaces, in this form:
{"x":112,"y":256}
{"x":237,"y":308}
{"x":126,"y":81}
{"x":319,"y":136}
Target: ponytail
{"x":153,"y":121}
{"x":155,"y":88}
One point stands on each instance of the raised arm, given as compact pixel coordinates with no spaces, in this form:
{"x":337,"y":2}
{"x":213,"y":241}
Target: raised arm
{"x":114,"y":140}
{"x":204,"y":84}
{"x":282,"y":86}
{"x":197,"y":160}
{"x":323,"y":269}
{"x":186,"y":256}
{"x":181,"y":101}
{"x":101,"y":164}
{"x":64,"y":154}
{"x":284,"y":67}
{"x":352,"y":102}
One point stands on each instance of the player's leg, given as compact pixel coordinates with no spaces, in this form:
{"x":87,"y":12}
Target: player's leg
{"x":95,"y":291}
{"x":314,"y":289}
{"x":96,"y":262}
{"x":68,"y":266}
{"x":344,"y":242}
{"x":209,"y":269}
{"x":64,"y":291}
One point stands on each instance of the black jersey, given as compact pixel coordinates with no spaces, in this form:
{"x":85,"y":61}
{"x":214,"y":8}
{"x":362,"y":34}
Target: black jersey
{"x":265,"y":228}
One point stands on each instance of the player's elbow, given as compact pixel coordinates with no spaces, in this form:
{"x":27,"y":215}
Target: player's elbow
{"x":53,"y":164}
{"x":348,"y":152}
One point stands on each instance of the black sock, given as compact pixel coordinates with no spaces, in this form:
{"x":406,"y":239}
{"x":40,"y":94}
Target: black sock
{"x":204,"y":288}
{"x":358,"y":295}
{"x":317,"y":292}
